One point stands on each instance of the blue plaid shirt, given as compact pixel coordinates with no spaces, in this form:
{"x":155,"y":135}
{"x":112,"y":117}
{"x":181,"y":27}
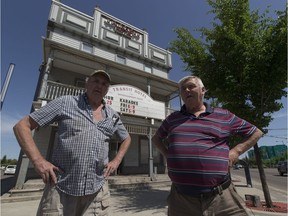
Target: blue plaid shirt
{"x":82,"y":144}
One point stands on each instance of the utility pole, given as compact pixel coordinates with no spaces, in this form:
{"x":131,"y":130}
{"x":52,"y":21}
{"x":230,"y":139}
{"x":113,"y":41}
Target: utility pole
{"x":6,"y":83}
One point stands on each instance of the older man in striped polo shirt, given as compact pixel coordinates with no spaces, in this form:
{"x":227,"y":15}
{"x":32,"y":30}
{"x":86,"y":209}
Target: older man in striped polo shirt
{"x":195,"y":141}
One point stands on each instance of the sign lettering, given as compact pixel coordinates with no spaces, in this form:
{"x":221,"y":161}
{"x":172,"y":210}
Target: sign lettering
{"x":131,"y":100}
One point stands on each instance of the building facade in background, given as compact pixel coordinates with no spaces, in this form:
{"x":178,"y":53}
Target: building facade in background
{"x":269,"y":152}
{"x":75,"y":45}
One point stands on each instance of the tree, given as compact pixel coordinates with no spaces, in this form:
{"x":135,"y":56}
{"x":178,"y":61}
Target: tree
{"x":242,"y":60}
{"x":4,"y":160}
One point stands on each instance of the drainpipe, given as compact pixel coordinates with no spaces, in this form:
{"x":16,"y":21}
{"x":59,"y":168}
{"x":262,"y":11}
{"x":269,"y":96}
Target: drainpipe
{"x":150,"y":155}
{"x":45,"y":78}
{"x":150,"y":139}
{"x":23,"y":160}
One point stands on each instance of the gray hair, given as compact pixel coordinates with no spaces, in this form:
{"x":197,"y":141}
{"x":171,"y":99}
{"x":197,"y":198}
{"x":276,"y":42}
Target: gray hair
{"x":198,"y":80}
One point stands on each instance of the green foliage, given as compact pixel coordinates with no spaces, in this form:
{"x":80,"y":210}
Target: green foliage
{"x":242,"y":60}
{"x":5,"y":161}
{"x":252,"y":162}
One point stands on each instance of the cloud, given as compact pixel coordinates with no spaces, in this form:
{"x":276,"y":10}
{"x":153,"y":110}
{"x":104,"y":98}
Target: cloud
{"x":9,"y":144}
{"x":280,"y":115}
{"x":7,"y":122}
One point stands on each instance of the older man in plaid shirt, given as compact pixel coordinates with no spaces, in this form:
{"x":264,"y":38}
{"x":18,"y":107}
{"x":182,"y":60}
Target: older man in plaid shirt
{"x":76,"y":176}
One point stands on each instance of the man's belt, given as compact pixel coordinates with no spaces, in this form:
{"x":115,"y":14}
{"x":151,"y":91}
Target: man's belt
{"x":215,"y":190}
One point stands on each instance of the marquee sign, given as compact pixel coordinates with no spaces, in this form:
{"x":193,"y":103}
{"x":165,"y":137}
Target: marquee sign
{"x":131,"y":100}
{"x":123,"y":29}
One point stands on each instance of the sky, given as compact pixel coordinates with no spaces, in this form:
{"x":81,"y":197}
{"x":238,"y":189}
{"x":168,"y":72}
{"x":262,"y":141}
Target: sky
{"x":23,"y":24}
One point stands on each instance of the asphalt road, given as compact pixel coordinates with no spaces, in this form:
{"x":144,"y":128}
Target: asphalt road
{"x":277,"y":185}
{"x":274,"y":180}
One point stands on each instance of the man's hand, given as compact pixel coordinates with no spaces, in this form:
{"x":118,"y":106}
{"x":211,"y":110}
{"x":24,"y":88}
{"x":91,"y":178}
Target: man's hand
{"x":111,"y":167}
{"x":233,"y":157}
{"x":243,"y":146}
{"x":46,"y":170}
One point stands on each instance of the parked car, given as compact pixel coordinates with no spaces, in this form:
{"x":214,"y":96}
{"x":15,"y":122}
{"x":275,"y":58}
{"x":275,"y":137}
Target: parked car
{"x":279,"y":163}
{"x":237,"y":166}
{"x":282,"y":167}
{"x":10,"y":170}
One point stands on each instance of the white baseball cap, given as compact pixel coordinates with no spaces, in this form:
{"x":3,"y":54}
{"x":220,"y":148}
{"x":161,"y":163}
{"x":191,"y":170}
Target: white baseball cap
{"x":101,"y":72}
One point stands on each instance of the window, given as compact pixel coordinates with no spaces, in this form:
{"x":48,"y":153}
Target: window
{"x":144,"y":152}
{"x":87,"y":47}
{"x":147,"y":69}
{"x":80,"y":83}
{"x":120,"y":59}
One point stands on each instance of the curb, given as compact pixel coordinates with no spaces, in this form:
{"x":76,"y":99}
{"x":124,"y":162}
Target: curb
{"x":140,"y":185}
{"x":19,"y":199}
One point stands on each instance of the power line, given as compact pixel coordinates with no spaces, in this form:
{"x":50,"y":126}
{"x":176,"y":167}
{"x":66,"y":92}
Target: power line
{"x":276,"y":129}
{"x":276,"y":137}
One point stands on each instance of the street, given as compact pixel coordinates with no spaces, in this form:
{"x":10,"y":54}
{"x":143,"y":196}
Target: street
{"x":272,"y":176}
{"x":276,"y":183}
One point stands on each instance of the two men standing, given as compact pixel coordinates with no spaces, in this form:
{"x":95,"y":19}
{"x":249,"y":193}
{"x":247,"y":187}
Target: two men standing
{"x":194,"y":140}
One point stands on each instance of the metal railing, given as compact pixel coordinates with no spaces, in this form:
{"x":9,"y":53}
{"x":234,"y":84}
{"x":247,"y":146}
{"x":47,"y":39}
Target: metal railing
{"x":55,"y":89}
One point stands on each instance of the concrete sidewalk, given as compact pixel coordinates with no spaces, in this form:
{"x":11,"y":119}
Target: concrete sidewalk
{"x":141,"y":201}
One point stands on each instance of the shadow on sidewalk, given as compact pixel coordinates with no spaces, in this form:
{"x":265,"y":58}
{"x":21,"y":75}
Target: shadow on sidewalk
{"x":238,"y":185}
{"x":140,"y":200}
{"x":7,"y":184}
